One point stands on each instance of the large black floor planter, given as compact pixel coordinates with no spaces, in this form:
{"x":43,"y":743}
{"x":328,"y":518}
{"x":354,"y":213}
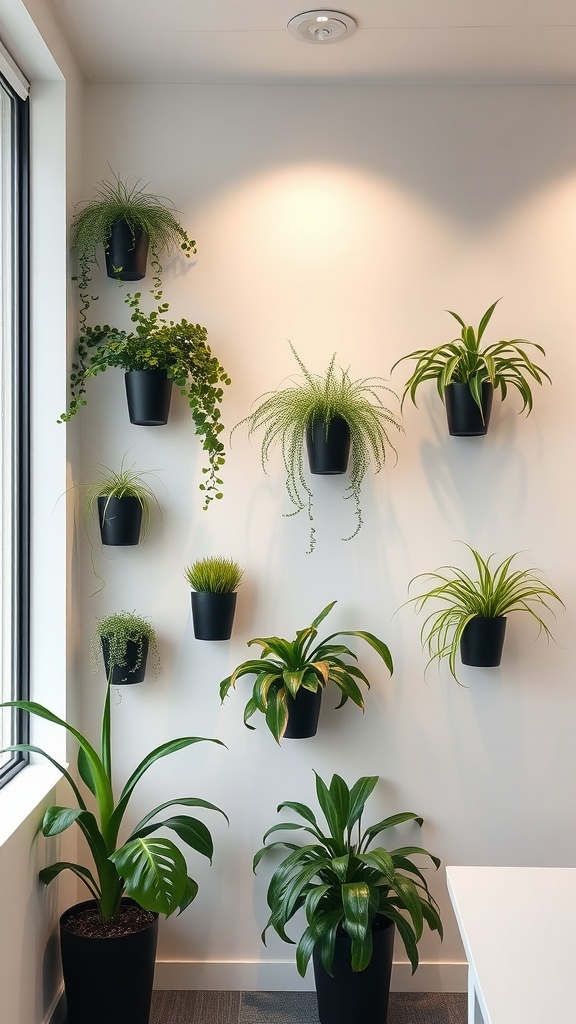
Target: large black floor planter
{"x":328,"y":451}
{"x":126,"y":252}
{"x":482,"y":642}
{"x":126,"y":673}
{"x":213,"y":615}
{"x":303,"y":714}
{"x":108,"y":980}
{"x":360,"y":997}
{"x":148,"y":393}
{"x":464,"y":416}
{"x":120,"y":520}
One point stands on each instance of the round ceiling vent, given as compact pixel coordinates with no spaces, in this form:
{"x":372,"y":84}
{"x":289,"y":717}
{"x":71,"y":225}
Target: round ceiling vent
{"x":321,"y":26}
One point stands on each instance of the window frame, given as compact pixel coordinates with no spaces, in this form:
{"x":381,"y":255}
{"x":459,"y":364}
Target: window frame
{"x":20,"y":633}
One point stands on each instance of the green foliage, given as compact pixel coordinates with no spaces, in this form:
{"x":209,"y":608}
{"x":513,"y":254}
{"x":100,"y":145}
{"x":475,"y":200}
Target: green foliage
{"x":214,"y":575}
{"x":503,"y":364}
{"x":126,"y":483}
{"x":285,"y":666}
{"x":341,"y":883}
{"x":150,"y":870}
{"x":494,"y":592}
{"x":157,"y":343}
{"x":285,"y":416}
{"x":117,"y":200}
{"x":119,"y":629}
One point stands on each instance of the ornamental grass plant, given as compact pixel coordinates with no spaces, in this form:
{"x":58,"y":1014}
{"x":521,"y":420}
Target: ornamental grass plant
{"x":285,"y":415}
{"x":124,"y":483}
{"x":214,"y":575}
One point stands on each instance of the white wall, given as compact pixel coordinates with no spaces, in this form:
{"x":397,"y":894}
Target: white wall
{"x":348,"y":220}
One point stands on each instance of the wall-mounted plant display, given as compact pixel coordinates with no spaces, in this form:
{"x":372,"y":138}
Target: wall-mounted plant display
{"x":214,"y":581}
{"x":124,"y":640}
{"x":155,"y":354}
{"x":126,"y":220}
{"x":334,"y":416}
{"x":108,"y":942}
{"x":353,"y":896}
{"x":122,"y":501}
{"x":472,"y":611}
{"x":467,"y":375}
{"x":291,"y":675}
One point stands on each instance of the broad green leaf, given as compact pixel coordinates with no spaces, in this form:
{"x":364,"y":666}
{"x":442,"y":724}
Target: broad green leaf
{"x":154,"y":873}
{"x":46,"y":875}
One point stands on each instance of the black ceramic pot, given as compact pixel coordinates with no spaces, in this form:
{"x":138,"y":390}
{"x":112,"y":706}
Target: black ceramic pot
{"x":126,"y":252}
{"x":108,"y":979}
{"x":213,"y":615}
{"x":328,"y":450}
{"x":464,"y":416}
{"x":120,"y":520}
{"x":350,"y":996}
{"x":148,"y":394}
{"x":303,"y":714}
{"x":482,"y":642}
{"x":126,"y":673}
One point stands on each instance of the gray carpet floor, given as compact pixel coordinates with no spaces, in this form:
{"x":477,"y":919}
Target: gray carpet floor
{"x":295,"y":1008}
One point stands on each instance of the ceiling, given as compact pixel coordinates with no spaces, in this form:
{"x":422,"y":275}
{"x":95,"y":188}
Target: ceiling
{"x":397,"y":41}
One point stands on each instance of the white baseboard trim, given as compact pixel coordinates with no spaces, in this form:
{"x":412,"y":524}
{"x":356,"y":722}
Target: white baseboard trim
{"x":57,"y":1012}
{"x":282,"y":976}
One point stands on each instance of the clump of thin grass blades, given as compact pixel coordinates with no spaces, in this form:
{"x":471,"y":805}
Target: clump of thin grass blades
{"x":286,"y":414}
{"x":494,"y":592}
{"x":126,"y":483}
{"x":214,"y":575}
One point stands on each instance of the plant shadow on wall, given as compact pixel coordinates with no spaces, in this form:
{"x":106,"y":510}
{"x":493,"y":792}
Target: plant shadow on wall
{"x":155,"y":354}
{"x":338,"y":419}
{"x":353,"y":898}
{"x":471,"y":617}
{"x":291,"y":675}
{"x":108,"y":943}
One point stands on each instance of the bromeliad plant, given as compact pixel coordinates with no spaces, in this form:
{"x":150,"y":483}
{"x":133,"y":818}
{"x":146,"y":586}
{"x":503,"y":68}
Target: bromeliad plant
{"x":343,"y":884}
{"x":150,"y":869}
{"x":285,"y":416}
{"x":503,"y":364}
{"x":494,"y":591}
{"x":156,"y":343}
{"x":286,"y":666}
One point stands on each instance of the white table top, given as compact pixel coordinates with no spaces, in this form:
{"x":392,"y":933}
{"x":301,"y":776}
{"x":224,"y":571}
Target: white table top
{"x":518,"y":926}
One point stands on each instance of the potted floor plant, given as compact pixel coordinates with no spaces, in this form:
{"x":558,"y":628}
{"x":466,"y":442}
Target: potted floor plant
{"x":122,"y":502}
{"x":339,"y":420}
{"x":291,"y":675}
{"x":354,"y":897}
{"x":156,"y":353}
{"x":214,"y":581}
{"x":467,"y":374}
{"x":124,"y":640}
{"x":470,"y":613}
{"x":109,"y":941}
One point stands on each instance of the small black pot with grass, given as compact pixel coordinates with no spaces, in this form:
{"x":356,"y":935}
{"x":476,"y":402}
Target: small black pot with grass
{"x":125,"y":641}
{"x":122,"y":502}
{"x":214,"y":581}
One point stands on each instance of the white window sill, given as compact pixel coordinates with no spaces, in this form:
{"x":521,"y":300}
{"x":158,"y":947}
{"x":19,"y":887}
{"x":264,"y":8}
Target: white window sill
{"x":24,"y":795}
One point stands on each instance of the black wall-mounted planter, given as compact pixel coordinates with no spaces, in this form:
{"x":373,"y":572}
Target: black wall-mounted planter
{"x":213,"y":615}
{"x":356,"y":996}
{"x":126,"y":252}
{"x":303,"y":714}
{"x":108,"y":979}
{"x":126,"y":673}
{"x":328,"y":451}
{"x":482,"y":642}
{"x":120,"y":520}
{"x":464,"y":416}
{"x":148,"y":393}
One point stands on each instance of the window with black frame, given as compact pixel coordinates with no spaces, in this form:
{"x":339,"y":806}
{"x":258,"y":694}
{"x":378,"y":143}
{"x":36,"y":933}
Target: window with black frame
{"x":14,"y":432}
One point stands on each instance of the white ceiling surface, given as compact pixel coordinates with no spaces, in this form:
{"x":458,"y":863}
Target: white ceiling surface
{"x":397,"y":41}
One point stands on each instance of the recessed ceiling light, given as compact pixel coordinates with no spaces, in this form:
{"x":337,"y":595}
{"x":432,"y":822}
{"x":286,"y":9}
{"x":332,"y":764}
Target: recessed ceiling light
{"x":321,"y":26}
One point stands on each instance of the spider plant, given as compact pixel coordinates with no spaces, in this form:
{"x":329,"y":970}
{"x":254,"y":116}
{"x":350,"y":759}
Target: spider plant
{"x":503,"y":364}
{"x":495,"y":591}
{"x":214,"y":575}
{"x":343,"y":884}
{"x":287,"y":414}
{"x":124,"y":483}
{"x":286,"y":666}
